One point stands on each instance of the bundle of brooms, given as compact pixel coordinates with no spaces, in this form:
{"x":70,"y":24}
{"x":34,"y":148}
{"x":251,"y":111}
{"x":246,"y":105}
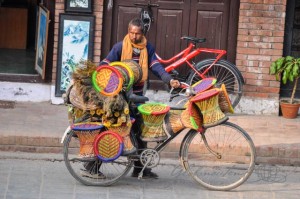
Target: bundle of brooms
{"x":87,"y":102}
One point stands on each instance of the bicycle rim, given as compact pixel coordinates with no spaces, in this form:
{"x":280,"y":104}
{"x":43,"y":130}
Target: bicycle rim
{"x":225,"y":74}
{"x":237,"y":157}
{"x":80,"y":167}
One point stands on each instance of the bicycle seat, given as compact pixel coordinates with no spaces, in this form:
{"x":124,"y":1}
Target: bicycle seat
{"x":194,"y":39}
{"x":137,"y":98}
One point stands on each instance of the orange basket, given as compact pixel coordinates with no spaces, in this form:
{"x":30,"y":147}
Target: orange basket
{"x":86,"y":133}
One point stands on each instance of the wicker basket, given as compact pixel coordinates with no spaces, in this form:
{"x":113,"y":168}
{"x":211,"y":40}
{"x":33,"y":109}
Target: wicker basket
{"x":224,"y":100}
{"x":175,"y":120}
{"x":124,"y":131}
{"x":125,"y":70}
{"x":207,"y":102}
{"x":108,"y":146}
{"x":191,"y":117}
{"x":136,"y":68}
{"x":204,"y":85}
{"x":86,"y":133}
{"x":107,"y":80}
{"x":153,"y":116}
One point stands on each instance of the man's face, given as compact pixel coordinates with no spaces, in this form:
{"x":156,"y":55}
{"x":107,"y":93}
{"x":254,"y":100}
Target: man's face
{"x":135,"y":34}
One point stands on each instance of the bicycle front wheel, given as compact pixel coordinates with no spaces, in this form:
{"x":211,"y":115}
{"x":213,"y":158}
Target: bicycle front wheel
{"x":225,"y":73}
{"x":91,"y":171}
{"x":220,"y":159}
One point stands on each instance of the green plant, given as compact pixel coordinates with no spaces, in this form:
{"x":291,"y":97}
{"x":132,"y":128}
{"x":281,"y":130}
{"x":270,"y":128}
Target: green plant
{"x":288,"y":68}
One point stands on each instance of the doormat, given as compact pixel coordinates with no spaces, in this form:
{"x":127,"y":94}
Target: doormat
{"x":7,"y":104}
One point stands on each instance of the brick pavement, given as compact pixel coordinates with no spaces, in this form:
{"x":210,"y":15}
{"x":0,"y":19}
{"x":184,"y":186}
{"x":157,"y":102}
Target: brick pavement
{"x":38,"y":127}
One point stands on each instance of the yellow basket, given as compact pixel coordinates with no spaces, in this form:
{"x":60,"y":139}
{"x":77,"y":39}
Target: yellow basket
{"x":224,"y":100}
{"x":207,"y":102}
{"x":153,"y":116}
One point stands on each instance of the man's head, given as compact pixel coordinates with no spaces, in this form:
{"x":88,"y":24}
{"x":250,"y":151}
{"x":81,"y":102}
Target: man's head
{"x":135,"y":30}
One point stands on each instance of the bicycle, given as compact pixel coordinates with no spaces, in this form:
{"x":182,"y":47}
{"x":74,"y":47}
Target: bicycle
{"x":218,"y":157}
{"x":224,"y":71}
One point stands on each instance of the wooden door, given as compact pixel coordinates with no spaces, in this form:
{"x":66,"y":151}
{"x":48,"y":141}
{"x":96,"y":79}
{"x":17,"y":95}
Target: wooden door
{"x":215,"y":20}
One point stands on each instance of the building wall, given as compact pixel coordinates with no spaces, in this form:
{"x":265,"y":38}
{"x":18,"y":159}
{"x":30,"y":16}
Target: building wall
{"x":260,"y":41}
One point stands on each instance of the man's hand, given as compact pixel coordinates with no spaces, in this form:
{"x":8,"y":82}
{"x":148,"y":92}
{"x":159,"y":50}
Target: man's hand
{"x":174,"y":83}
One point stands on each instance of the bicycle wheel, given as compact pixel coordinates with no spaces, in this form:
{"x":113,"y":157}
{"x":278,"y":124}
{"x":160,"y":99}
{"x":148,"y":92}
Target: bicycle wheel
{"x":91,"y":171}
{"x":227,"y":163}
{"x":225,"y":72}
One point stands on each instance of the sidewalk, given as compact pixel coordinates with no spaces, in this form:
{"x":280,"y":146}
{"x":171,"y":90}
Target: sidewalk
{"x":38,"y":127}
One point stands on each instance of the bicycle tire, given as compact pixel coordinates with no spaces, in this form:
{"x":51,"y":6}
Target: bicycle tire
{"x":236,"y":163}
{"x":112,"y":171}
{"x":225,"y":72}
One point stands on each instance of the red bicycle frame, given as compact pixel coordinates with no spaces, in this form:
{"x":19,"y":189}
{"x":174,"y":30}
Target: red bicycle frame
{"x":186,"y":55}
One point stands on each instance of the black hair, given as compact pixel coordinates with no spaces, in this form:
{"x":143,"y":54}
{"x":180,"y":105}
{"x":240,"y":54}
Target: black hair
{"x":137,"y":22}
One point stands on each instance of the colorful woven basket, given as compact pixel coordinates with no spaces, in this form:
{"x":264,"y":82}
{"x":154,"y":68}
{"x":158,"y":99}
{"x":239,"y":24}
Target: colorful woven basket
{"x":107,"y":80}
{"x":108,"y":146}
{"x":153,"y":116}
{"x":207,"y":102}
{"x":191,"y":117}
{"x":224,"y":100}
{"x":86,"y":133}
{"x":204,"y":84}
{"x":136,"y":69}
{"x":127,"y":73}
{"x":124,"y":131}
{"x":175,"y":120}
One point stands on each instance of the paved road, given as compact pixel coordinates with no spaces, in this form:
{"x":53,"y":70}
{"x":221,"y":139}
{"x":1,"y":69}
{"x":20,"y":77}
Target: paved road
{"x":43,"y":176}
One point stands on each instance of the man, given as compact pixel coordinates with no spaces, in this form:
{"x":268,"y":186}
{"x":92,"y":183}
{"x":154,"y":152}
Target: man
{"x":135,"y":46}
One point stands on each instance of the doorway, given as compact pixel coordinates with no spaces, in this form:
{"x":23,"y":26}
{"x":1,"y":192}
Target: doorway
{"x":17,"y":40}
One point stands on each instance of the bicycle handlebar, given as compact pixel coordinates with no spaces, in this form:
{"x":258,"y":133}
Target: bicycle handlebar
{"x":186,"y":91}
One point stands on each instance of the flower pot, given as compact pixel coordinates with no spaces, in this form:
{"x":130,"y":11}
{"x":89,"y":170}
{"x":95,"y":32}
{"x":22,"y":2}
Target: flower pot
{"x":289,"y":111}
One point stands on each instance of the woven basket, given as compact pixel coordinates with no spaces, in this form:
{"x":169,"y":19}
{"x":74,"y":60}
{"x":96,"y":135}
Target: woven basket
{"x":126,"y":71}
{"x":175,"y":120}
{"x":207,"y":102}
{"x":153,"y":116}
{"x":107,"y":80}
{"x":136,"y":68}
{"x":204,"y":85}
{"x":124,"y":131}
{"x":86,"y":133}
{"x":224,"y":100}
{"x":108,"y":146}
{"x":191,"y":117}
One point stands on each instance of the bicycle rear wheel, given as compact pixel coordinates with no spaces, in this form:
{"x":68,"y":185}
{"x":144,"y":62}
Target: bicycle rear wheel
{"x":91,"y":171}
{"x":225,"y":72}
{"x":226,"y":163}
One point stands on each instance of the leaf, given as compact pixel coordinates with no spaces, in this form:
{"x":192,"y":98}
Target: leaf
{"x":296,"y":70}
{"x":289,"y":58}
{"x":284,"y":77}
{"x":279,"y":63}
{"x":273,"y":68}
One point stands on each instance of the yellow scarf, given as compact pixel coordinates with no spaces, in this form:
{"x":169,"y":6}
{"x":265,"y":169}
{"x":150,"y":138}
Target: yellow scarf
{"x":127,"y":54}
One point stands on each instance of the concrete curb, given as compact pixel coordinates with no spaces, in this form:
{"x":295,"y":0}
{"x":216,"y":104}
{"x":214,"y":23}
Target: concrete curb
{"x":281,"y":154}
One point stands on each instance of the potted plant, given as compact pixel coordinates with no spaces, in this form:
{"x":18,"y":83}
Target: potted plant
{"x":288,"y":68}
